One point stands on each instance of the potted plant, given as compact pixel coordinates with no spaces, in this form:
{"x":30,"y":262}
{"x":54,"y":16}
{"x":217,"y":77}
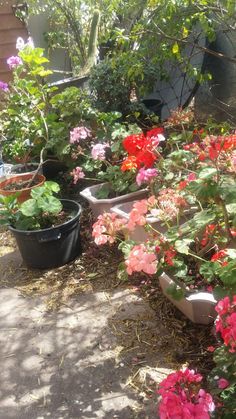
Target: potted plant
{"x":34,"y":117}
{"x":125,"y":176}
{"x":47,"y":229}
{"x":196,"y":261}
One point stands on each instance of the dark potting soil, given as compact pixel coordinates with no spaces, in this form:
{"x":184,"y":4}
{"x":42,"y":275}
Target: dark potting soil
{"x":48,"y":220}
{"x":20,"y":184}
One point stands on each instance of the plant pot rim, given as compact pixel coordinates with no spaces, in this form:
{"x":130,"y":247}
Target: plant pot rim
{"x":45,"y":230}
{"x":198,"y":307}
{"x":13,"y":178}
{"x":87,"y":193}
{"x":195,"y":296}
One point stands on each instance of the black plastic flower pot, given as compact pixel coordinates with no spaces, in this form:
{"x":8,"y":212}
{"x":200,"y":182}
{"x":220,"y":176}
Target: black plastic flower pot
{"x":51,"y":247}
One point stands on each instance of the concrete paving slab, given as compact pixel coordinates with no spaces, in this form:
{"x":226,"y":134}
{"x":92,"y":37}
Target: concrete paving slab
{"x":63,"y":364}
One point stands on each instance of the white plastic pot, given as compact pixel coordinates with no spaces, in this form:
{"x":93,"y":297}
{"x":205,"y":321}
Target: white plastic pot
{"x":98,"y":206}
{"x":139,"y":234}
{"x":198,"y":307}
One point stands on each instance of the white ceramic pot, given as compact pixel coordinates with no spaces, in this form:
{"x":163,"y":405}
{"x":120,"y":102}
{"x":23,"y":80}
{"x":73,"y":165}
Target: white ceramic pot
{"x":198,"y":307}
{"x":98,"y":206}
{"x":140,"y":234}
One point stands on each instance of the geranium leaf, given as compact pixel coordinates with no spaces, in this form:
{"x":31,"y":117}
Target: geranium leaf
{"x":182,"y":246}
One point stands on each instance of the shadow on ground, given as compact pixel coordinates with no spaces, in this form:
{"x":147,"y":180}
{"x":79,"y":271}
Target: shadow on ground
{"x":75,"y":343}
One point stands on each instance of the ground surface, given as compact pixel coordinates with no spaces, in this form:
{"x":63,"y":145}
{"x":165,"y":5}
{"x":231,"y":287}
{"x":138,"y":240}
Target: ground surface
{"x":75,"y":342}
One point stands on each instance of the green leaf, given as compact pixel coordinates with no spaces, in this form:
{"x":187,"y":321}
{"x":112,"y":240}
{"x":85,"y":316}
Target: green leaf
{"x":207,"y":173}
{"x":122,"y":274}
{"x":175,"y":292}
{"x":207,"y":270}
{"x":30,"y":208}
{"x":50,"y":204}
{"x":182,"y":246}
{"x":103,"y":192}
{"x":53,"y":186}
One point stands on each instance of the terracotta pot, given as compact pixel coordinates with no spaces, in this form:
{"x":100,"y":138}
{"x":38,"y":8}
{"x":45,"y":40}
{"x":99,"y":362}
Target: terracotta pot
{"x":198,"y":307}
{"x":98,"y":206}
{"x":139,"y":234}
{"x":24,"y":193}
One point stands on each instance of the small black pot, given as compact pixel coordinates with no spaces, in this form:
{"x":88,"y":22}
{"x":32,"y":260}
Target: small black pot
{"x":51,"y":247}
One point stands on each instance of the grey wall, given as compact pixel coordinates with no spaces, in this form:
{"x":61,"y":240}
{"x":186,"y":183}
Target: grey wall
{"x":59,"y":58}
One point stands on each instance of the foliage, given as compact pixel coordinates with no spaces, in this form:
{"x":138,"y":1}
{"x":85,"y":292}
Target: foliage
{"x":36,"y":117}
{"x":222,"y":378}
{"x":189,"y":216}
{"x":40,"y":211}
{"x":24,"y":120}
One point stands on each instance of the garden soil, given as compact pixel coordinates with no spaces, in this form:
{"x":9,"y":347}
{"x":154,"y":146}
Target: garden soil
{"x":78,"y":342}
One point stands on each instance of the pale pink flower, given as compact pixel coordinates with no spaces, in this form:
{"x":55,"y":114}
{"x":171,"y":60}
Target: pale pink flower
{"x":141,"y":259}
{"x":145,"y":175}
{"x":137,"y":214}
{"x":170,"y":202}
{"x":107,"y":227}
{"x":99,"y":151}
{"x":14,"y":61}
{"x":79,"y":133}
{"x":77,"y":174}
{"x":222,"y":383}
{"x":156,"y":139}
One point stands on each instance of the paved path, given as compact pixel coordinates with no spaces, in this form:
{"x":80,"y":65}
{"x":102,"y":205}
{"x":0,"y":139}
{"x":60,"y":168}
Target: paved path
{"x":64,"y":364}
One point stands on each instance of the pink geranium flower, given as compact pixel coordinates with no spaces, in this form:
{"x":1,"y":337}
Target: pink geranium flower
{"x":99,"y":151}
{"x":77,"y":174}
{"x":182,"y":398}
{"x":222,"y":383}
{"x":14,"y":61}
{"x":106,"y":228}
{"x":137,"y":214}
{"x":4,"y":86}
{"x":141,"y":259}
{"x":226,"y":322}
{"x":145,"y":175}
{"x":79,"y":133}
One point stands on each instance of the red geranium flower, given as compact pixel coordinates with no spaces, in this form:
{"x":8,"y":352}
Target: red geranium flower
{"x":146,"y":158}
{"x":134,"y":143}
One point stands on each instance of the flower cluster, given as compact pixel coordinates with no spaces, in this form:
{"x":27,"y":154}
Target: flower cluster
{"x":141,"y":259}
{"x":99,"y":151}
{"x":77,"y":174}
{"x":14,"y":61}
{"x":106,"y":227}
{"x":215,"y":148}
{"x":4,"y":86}
{"x":180,"y":117}
{"x":142,"y":149}
{"x":182,"y":397}
{"x":78,"y":134}
{"x":226,"y":322}
{"x":21,"y":44}
{"x":145,"y":175}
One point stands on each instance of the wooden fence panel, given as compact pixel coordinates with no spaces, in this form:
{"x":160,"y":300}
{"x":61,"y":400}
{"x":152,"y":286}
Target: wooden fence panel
{"x":10,"y":29}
